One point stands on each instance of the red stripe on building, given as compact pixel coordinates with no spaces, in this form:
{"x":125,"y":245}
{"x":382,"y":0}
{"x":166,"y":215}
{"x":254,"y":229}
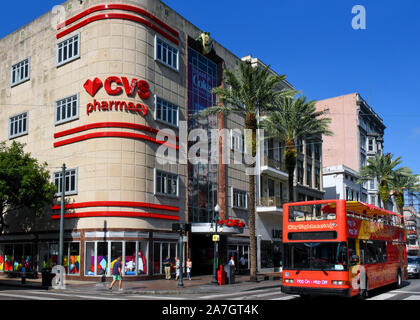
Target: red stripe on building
{"x":131,"y":214}
{"x":116,"y":204}
{"x":121,"y":16}
{"x":113,"y":135}
{"x":118,"y":7}
{"x":107,"y":125}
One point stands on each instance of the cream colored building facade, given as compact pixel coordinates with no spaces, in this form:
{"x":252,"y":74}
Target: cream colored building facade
{"x":89,"y":84}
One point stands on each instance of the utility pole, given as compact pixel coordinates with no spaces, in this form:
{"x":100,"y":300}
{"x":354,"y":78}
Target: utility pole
{"x":63,"y":191}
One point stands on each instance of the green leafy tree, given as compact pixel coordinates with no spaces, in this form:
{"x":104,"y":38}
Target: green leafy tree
{"x":24,"y":183}
{"x":382,"y":168}
{"x":293,"y":119}
{"x":403,"y":179}
{"x":249,"y":91}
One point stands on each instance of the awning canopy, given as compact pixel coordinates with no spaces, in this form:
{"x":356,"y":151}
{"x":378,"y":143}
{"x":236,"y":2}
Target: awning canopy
{"x":360,"y":207}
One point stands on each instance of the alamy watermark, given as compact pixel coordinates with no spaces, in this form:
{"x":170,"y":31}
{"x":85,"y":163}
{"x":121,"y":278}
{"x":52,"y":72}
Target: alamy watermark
{"x":359,"y":20}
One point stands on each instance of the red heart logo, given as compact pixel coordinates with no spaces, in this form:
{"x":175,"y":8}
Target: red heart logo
{"x":92,"y":86}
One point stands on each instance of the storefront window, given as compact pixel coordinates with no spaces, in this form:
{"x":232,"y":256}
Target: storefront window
{"x":130,"y":259}
{"x":142,"y":255}
{"x":161,"y":250}
{"x":102,"y":258}
{"x":53,"y":255}
{"x":90,"y":259}
{"x":157,"y":261}
{"x":74,"y":258}
{"x":116,"y":251}
{"x":8,"y":257}
{"x":1,"y":257}
{"x":27,"y":265}
{"x":43,"y":256}
{"x":18,"y":257}
{"x":271,"y":254}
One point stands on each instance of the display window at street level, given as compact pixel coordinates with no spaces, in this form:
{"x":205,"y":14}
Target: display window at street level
{"x":71,"y":257}
{"x":161,"y":250}
{"x":102,"y":258}
{"x":116,"y":251}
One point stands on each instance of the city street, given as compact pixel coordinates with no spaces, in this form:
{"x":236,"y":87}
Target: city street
{"x":410,"y":291}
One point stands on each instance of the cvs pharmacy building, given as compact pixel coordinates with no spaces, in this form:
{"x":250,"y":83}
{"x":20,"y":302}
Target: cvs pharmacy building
{"x":92,"y":91}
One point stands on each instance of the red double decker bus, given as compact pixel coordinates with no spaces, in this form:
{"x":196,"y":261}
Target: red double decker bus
{"x":341,"y":247}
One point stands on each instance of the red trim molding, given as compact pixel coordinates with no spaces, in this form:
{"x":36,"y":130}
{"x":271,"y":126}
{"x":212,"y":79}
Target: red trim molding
{"x":97,"y":125}
{"x":130,"y":214}
{"x":116,"y":204}
{"x":114,"y":135}
{"x":118,"y":7}
{"x":121,"y":16}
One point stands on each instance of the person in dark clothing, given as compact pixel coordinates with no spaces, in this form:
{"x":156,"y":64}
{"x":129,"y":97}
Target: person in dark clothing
{"x":116,"y":274}
{"x":167,"y":265}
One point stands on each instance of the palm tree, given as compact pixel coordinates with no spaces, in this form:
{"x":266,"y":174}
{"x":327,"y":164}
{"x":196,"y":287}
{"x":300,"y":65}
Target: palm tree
{"x":381,"y":167}
{"x":294,"y":119}
{"x":403,"y":179}
{"x":249,"y":91}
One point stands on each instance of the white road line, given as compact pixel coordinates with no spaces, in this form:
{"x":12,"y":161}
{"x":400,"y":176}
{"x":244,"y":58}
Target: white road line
{"x":71,"y":295}
{"x":288,"y":297}
{"x":264,"y":294}
{"x":22,"y":296}
{"x":157,"y":297}
{"x":413,"y":297}
{"x":383,"y":296}
{"x":241,"y":294}
{"x":400,"y":291}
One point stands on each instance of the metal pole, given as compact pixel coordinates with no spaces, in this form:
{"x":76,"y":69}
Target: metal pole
{"x":63,"y":190}
{"x":181,"y":258}
{"x":215,"y":254}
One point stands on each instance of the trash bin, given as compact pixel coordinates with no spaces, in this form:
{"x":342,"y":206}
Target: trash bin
{"x":230,"y":273}
{"x":47,"y":277}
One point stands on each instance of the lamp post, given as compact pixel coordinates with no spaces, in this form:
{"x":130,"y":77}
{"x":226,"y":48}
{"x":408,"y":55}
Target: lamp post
{"x":216,"y":243}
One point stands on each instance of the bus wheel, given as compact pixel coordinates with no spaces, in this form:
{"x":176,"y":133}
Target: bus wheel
{"x":398,"y":284}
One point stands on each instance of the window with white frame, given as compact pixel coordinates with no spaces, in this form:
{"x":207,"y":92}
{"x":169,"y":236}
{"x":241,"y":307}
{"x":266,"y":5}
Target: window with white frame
{"x":166,"y":183}
{"x":70,"y":182}
{"x":237,"y":140}
{"x":166,"y":53}
{"x":67,"y":109}
{"x":18,"y":125}
{"x":239,"y":199}
{"x":166,"y":112}
{"x":19,"y":72}
{"x":68,"y":50}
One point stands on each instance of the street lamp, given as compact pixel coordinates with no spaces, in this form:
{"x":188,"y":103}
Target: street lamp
{"x":213,"y":228}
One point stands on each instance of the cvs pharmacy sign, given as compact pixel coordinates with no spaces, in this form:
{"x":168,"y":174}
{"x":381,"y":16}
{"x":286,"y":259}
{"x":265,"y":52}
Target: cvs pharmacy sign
{"x":115,"y":86}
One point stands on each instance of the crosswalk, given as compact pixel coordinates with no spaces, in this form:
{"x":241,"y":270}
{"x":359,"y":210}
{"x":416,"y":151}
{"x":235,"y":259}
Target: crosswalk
{"x":255,"y":294}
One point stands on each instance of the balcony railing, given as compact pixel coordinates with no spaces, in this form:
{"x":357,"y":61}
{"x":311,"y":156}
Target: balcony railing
{"x":272,"y":201}
{"x":269,"y":162}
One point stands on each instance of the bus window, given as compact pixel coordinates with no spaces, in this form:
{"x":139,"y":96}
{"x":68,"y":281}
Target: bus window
{"x":352,"y":247}
{"x":310,"y":212}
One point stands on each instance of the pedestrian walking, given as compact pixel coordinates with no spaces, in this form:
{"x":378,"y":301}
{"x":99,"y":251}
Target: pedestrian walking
{"x":177,"y":268}
{"x":116,"y":274}
{"x":189,"y":267}
{"x":232,"y":261}
{"x":167,"y":266}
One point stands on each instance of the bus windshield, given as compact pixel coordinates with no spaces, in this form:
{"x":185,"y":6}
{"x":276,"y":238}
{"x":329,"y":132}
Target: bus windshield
{"x":310,"y":212}
{"x":325,"y":256}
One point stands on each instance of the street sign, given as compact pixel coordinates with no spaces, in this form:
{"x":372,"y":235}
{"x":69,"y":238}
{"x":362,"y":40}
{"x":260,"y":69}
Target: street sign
{"x":216,"y":237}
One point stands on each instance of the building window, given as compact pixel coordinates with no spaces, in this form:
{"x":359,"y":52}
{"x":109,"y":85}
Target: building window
{"x":317,"y":178}
{"x":67,"y":109}
{"x":19,"y":72}
{"x":362,"y":160}
{"x":317,"y":152}
{"x":370,"y":144}
{"x":166,"y":54}
{"x":161,"y":250}
{"x":166,"y":112}
{"x":18,"y":125}
{"x":371,"y":184}
{"x":363,"y":142}
{"x":239,"y":199}
{"x":166,"y":183}
{"x":70,"y":184}
{"x":300,"y":171}
{"x":237,"y":140}
{"x":308,"y":149}
{"x":299,"y":145}
{"x":68,"y":50}
{"x":309,"y":176}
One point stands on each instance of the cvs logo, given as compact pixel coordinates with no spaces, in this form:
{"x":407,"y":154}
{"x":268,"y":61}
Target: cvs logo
{"x":114,"y":86}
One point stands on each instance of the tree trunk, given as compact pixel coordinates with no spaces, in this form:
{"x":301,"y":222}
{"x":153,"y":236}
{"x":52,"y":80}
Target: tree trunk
{"x":251,"y":123}
{"x":290,"y":156}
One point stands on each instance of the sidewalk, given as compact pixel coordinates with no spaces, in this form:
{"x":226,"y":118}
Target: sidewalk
{"x":198,"y":284}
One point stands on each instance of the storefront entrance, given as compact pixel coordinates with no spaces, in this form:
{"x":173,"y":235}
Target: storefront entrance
{"x":202,"y":252}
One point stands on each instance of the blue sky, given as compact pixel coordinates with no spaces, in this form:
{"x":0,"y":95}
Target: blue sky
{"x":314,"y":44}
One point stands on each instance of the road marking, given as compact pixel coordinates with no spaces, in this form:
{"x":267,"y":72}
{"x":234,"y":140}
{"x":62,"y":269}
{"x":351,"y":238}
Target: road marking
{"x":71,"y":295}
{"x":399,"y":291}
{"x":264,"y":294}
{"x":288,"y":297}
{"x":22,"y":296}
{"x":413,"y":297}
{"x":241,"y":294}
{"x":383,"y":296}
{"x":154,"y":297}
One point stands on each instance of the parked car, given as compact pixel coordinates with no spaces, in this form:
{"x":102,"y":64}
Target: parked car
{"x":414,"y":266}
